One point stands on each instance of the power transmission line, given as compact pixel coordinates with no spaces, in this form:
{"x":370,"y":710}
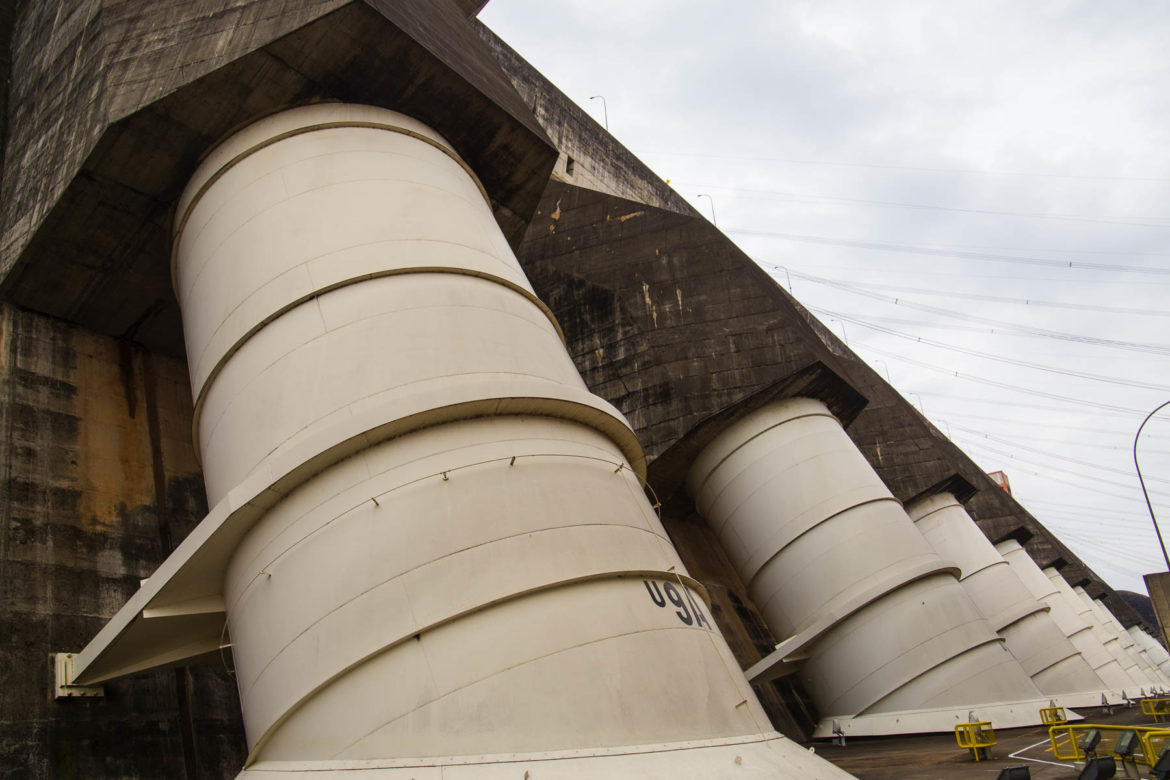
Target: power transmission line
{"x":954,"y":253}
{"x":1158,"y":349}
{"x":842,"y":284}
{"x":1049,"y":467}
{"x":990,"y":356}
{"x":926,"y":169}
{"x":793,"y":197}
{"x":1053,"y":455}
{"x":1004,"y":385}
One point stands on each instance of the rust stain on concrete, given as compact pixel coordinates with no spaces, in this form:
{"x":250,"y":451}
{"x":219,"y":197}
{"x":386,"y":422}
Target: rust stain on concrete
{"x":113,"y":448}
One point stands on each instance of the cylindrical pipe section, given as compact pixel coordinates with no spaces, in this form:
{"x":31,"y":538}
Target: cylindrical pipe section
{"x":460,"y":559}
{"x":1113,"y":626}
{"x":827,"y":552}
{"x":1132,"y":645}
{"x":473,"y":591}
{"x":1135,"y":680}
{"x":1076,"y":628}
{"x":353,"y":238}
{"x":1153,"y":670}
{"x":1157,"y":654}
{"x":1029,"y":631}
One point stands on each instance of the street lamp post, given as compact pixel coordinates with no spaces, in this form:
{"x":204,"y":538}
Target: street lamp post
{"x":604,"y":109}
{"x":844,"y":336}
{"x":787,"y":275}
{"x":713,"y":222}
{"x":1141,"y":481}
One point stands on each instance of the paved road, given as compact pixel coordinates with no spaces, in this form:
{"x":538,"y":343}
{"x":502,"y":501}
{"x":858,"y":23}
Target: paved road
{"x":935,"y":756}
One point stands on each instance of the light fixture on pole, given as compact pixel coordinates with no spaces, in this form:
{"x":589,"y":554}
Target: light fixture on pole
{"x":604,"y":109}
{"x":844,"y":337}
{"x":713,"y":222}
{"x":787,"y":275}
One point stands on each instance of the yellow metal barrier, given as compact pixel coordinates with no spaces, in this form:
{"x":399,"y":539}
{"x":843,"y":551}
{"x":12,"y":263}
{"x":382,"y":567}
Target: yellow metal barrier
{"x":977,"y":736}
{"x":1066,"y":737}
{"x":1158,"y":708}
{"x":1053,"y":716}
{"x":1154,"y":741}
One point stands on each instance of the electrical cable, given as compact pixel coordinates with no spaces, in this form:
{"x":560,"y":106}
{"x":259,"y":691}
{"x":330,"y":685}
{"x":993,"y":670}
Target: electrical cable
{"x":1016,"y":404}
{"x":1013,"y":423}
{"x":1045,"y":453}
{"x":926,"y":169}
{"x":988,"y":355}
{"x":1151,"y":221}
{"x":1097,"y":480}
{"x":951,"y":253}
{"x":841,"y":283}
{"x":1158,"y":349}
{"x":1004,"y":385}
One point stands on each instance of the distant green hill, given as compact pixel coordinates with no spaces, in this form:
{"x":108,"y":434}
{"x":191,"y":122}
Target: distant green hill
{"x":1141,"y":604}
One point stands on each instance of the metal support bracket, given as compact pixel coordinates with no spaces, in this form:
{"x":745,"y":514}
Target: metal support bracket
{"x":63,"y":687}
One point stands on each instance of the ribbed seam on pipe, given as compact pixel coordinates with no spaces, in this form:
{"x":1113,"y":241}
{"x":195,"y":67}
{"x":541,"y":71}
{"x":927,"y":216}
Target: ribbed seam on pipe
{"x":243,"y":339}
{"x":181,"y":222}
{"x":272,"y":728}
{"x":1054,"y":664}
{"x":999,"y":622}
{"x":751,"y":581}
{"x":712,"y":469}
{"x":890,"y":584}
{"x":628,"y":445}
{"x":865,"y":710}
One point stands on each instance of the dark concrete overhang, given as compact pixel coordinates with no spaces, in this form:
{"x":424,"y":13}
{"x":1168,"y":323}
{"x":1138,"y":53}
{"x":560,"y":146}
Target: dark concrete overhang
{"x":100,"y":258}
{"x":1020,"y":535}
{"x":816,"y":380}
{"x":955,"y":484}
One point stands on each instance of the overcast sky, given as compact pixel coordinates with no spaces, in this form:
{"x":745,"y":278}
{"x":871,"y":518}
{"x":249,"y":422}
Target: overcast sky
{"x":922,"y":175}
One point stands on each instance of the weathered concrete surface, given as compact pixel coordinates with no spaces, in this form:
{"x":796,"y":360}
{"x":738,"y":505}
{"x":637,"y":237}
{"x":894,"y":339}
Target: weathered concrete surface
{"x":665,"y":318}
{"x":79,"y":65}
{"x":113,"y":102}
{"x":599,"y":161}
{"x":670,"y":322}
{"x":7,"y":18}
{"x":97,"y":482}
